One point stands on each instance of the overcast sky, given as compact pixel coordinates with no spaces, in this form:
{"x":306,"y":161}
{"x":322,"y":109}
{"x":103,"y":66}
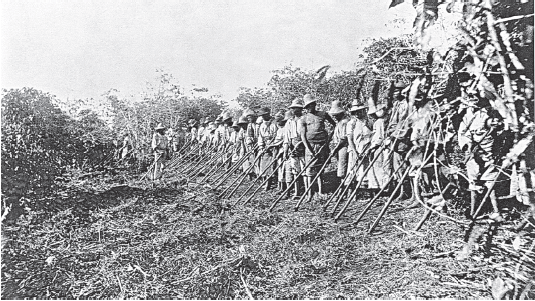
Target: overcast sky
{"x":82,"y":48}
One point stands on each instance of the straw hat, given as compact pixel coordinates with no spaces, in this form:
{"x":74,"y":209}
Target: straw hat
{"x":208,"y":119}
{"x":235,"y":124}
{"x":336,"y":108}
{"x":192,"y":122}
{"x":226,"y":116}
{"x":400,"y":85}
{"x":248,"y":112}
{"x":160,"y":126}
{"x":297,"y":103}
{"x":357,"y":105}
{"x":242,"y":120}
{"x":259,"y":120}
{"x":309,"y":99}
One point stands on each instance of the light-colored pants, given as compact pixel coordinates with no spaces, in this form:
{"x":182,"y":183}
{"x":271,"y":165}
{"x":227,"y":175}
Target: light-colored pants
{"x":159,"y":158}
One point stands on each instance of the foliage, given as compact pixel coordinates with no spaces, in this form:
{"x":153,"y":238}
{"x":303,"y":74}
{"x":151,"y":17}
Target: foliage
{"x":35,"y":141}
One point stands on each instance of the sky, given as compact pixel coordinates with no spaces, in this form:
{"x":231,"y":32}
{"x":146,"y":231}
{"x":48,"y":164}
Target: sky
{"x":81,"y":49}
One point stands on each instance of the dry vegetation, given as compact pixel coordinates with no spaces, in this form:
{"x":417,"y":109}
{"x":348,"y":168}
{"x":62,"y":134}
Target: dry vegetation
{"x":179,"y":241}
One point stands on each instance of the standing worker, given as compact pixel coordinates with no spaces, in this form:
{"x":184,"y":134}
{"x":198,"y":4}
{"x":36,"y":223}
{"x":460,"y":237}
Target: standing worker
{"x":159,"y":147}
{"x":293,"y":146}
{"x":250,"y":140}
{"x":278,"y":151}
{"x":316,"y":139}
{"x":340,"y":138}
{"x":358,"y":137}
{"x":266,"y":134}
{"x":380,"y":172}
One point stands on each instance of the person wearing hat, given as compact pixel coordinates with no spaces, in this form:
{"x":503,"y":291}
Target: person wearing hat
{"x":224,"y":130}
{"x":381,"y":168}
{"x":266,"y":134}
{"x":425,"y":132}
{"x":250,"y":139}
{"x":258,"y":123}
{"x":316,"y":139}
{"x":127,"y":146}
{"x":235,"y":141}
{"x":159,"y":147}
{"x":358,"y":134}
{"x":202,"y":131}
{"x":242,"y":148}
{"x":482,"y":137}
{"x":398,"y":130}
{"x":277,"y":150}
{"x":340,"y":138}
{"x":193,"y":130}
{"x":293,"y":146}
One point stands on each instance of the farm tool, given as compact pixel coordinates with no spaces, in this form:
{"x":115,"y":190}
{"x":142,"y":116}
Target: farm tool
{"x":307,"y":190}
{"x":218,"y":156}
{"x":298,"y":175}
{"x":246,"y":173}
{"x":233,"y":168}
{"x":262,"y":184}
{"x":359,"y":183}
{"x":231,"y":171}
{"x":342,"y":188}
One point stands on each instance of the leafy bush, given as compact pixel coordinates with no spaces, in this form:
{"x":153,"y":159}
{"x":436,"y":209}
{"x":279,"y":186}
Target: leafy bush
{"x":35,"y":141}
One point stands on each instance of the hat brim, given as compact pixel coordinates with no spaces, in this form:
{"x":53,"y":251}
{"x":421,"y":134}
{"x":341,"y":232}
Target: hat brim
{"x":379,"y":107}
{"x":296,"y":107}
{"x":309,"y":103}
{"x":357,"y":108}
{"x":336,"y":112}
{"x":160,"y":128}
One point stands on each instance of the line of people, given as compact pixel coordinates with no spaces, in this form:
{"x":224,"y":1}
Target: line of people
{"x":402,"y":140}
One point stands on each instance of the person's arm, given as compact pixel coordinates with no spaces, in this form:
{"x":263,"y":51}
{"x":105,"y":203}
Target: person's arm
{"x":349,"y":134}
{"x":154,"y":143}
{"x":304,"y":136}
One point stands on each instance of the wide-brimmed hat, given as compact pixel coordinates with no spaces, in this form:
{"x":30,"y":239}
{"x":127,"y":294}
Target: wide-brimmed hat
{"x":308,"y":99}
{"x":235,"y":124}
{"x":160,"y":126}
{"x":399,"y":85}
{"x":288,"y":115}
{"x":226,"y":116}
{"x":208,"y":119}
{"x":297,"y":103}
{"x":259,"y":120}
{"x":192,"y":122}
{"x":248,"y":112}
{"x":336,"y":108}
{"x":242,"y":120}
{"x":212,"y":126}
{"x":357,"y":105}
{"x":264,"y":111}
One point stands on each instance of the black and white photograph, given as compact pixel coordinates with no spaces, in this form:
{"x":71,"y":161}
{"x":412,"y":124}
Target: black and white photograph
{"x":267,"y":149}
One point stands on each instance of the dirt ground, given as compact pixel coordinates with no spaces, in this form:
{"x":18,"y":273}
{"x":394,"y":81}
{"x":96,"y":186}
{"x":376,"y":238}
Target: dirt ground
{"x":96,"y":238}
